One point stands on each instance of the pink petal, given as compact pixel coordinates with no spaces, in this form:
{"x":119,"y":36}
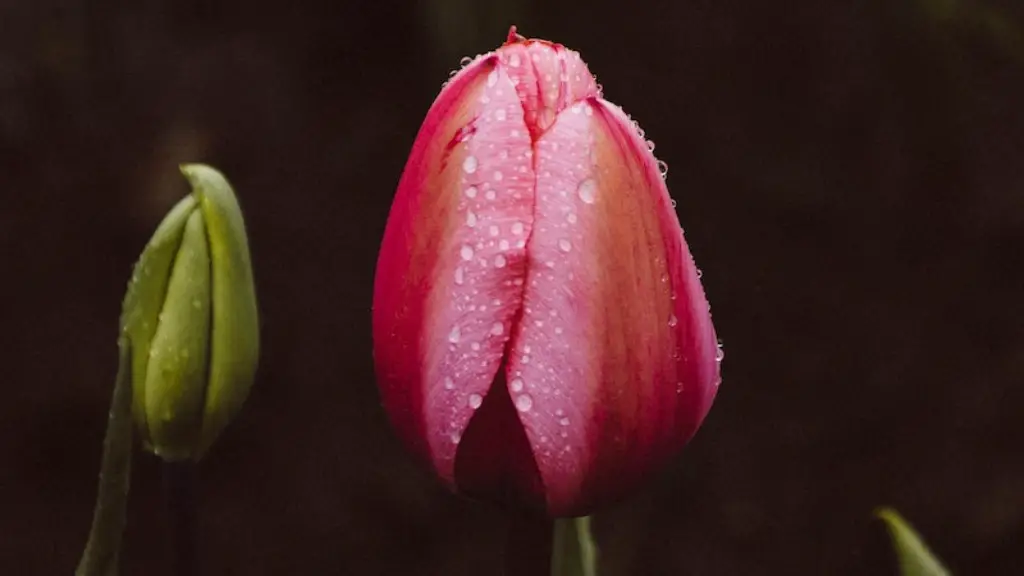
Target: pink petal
{"x":450,"y":270}
{"x":612,"y":367}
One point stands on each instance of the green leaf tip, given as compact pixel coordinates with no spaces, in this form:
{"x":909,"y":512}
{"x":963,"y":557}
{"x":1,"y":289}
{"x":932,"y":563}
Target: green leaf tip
{"x":915,"y":559}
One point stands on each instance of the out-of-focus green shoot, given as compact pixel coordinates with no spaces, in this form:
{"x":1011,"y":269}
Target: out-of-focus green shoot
{"x":915,"y":558}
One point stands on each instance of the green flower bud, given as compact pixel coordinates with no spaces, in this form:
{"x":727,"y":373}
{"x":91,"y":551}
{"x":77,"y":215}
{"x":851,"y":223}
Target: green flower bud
{"x":190,"y":314}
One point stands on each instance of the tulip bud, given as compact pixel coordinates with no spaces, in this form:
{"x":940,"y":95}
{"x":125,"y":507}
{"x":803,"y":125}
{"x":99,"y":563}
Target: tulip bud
{"x":190,"y":314}
{"x":540,"y":331}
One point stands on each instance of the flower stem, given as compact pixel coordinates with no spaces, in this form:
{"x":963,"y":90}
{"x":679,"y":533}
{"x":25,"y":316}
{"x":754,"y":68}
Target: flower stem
{"x":527,"y":544}
{"x":102,"y":550}
{"x":179,"y":491}
{"x":573,"y":551}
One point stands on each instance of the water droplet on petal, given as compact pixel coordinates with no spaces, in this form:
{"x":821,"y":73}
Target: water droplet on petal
{"x":498,"y":176}
{"x":524,"y":403}
{"x":492,"y":78}
{"x":571,"y":217}
{"x":564,"y":421}
{"x":663,"y":169}
{"x":493,"y":230}
{"x":516,"y":385}
{"x":470,"y":219}
{"x":460,"y":275}
{"x":469,"y":164}
{"x":475,"y":400}
{"x":471,"y":192}
{"x":673,"y":321}
{"x":449,"y":384}
{"x":587,"y":191}
{"x":513,"y":60}
{"x":497,"y":329}
{"x":466,"y":252}
{"x":454,"y":335}
{"x":564,"y":245}
{"x":499,"y":261}
{"x":517,"y":228}
{"x":500,"y":115}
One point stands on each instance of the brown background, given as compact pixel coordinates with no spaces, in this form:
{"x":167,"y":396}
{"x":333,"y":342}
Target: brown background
{"x":850,"y":177}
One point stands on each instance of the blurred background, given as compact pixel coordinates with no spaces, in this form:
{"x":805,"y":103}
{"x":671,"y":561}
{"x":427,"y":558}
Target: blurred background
{"x":850,"y":176}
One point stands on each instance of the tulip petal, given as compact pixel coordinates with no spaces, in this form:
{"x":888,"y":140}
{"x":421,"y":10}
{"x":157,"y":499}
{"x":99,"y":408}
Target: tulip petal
{"x":548,"y":78}
{"x":452,"y":262}
{"x":235,"y":334}
{"x":145,"y":297}
{"x":612,"y":366}
{"x":176,"y":381}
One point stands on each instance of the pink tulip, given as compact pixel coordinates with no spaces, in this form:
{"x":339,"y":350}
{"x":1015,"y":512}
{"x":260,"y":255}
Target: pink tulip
{"x":541,"y":335}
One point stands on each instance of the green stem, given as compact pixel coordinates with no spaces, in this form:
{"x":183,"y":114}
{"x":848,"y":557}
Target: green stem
{"x":103,"y":547}
{"x":573,"y":551}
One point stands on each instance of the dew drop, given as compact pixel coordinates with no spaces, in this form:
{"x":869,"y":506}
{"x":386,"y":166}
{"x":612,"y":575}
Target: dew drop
{"x":500,"y":115}
{"x":493,"y":230}
{"x":466,"y":252}
{"x":197,"y":303}
{"x":571,"y":217}
{"x":471,"y":192}
{"x":516,"y":385}
{"x":476,"y":345}
{"x":517,"y":228}
{"x":499,"y":261}
{"x":470,"y":219}
{"x":564,"y":245}
{"x":564,"y":421}
{"x":524,"y":403}
{"x":492,"y":78}
{"x":719,"y":354}
{"x":663,"y":169}
{"x":469,"y":164}
{"x":497,"y":329}
{"x":503,"y":245}
{"x":526,"y":359}
{"x":498,"y":176}
{"x":465,"y":61}
{"x":587,"y":191}
{"x":700,"y":273}
{"x":673,"y":321}
{"x":449,"y":384}
{"x":513,"y":60}
{"x":475,"y":400}
{"x":460,"y":275}
{"x":489,"y":195}
{"x":454,"y":335}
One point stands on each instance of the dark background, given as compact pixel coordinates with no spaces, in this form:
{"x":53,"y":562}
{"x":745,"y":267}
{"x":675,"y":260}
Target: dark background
{"x":850,"y":177}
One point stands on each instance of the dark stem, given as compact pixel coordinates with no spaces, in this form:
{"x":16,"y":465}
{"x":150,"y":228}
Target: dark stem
{"x":102,"y":550}
{"x":179,"y":492}
{"x":527,"y":544}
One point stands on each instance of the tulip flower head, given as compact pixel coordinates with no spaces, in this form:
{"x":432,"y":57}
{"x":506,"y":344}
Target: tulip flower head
{"x":190,"y":315}
{"x":541,"y":335}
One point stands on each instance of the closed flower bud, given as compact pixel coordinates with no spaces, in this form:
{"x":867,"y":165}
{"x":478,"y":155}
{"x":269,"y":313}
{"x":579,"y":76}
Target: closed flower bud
{"x":541,"y":335}
{"x":190,"y":315}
